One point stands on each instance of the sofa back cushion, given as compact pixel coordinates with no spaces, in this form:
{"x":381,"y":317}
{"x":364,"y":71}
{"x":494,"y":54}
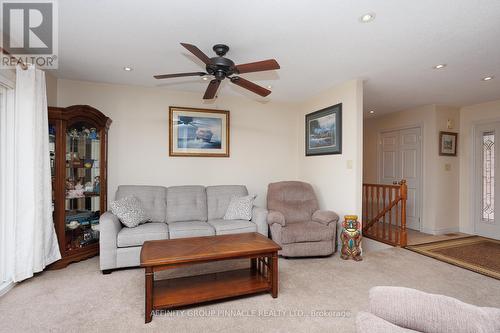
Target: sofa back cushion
{"x":295,"y":200}
{"x":152,"y":198}
{"x":186,"y":203}
{"x":218,"y":198}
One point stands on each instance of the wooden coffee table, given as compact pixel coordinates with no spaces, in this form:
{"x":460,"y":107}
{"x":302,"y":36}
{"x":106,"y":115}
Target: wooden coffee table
{"x":172,"y":253}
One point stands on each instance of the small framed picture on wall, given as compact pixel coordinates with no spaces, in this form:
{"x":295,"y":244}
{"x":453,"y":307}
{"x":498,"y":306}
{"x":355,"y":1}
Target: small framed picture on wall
{"x":448,"y":143}
{"x":324,"y":131}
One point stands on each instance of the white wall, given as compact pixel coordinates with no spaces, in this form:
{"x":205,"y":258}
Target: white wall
{"x":51,"y":86}
{"x":439,"y":187}
{"x":263,"y":137}
{"x":469,"y":117}
{"x":338,"y":188}
{"x":267,"y":141}
{"x":446,"y":183}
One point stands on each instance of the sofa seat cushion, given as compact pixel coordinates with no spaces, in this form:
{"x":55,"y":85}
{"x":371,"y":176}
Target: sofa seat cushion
{"x":144,"y":232}
{"x":190,"y":229}
{"x":224,"y":227}
{"x":306,"y":232}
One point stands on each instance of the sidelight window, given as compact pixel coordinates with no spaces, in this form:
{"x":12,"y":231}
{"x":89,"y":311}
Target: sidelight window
{"x":488,"y":195}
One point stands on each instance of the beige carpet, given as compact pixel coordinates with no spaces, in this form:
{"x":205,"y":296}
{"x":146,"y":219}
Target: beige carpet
{"x":81,"y":299}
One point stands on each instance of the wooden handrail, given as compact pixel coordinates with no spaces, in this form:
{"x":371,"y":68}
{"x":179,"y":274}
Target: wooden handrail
{"x":382,"y":203}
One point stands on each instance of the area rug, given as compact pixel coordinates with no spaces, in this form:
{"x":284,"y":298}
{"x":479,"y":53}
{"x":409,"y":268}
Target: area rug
{"x":478,"y":254}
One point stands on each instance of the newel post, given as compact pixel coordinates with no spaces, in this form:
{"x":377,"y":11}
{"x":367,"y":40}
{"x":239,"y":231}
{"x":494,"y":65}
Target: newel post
{"x":404,"y":196}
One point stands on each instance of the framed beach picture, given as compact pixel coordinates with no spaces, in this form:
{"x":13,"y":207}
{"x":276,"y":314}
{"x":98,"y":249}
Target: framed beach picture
{"x":324,"y":131}
{"x":198,"y":132}
{"x":448,"y":143}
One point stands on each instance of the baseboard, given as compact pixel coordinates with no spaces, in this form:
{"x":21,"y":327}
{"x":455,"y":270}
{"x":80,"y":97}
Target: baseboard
{"x":5,"y":287}
{"x":440,"y":231}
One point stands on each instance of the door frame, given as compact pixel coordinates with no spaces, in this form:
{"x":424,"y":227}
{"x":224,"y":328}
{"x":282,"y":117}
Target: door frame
{"x":421,"y":159}
{"x":474,"y":201}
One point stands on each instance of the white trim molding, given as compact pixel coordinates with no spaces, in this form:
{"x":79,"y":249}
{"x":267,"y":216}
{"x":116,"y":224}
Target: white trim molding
{"x":441,"y":231}
{"x":6,"y":287}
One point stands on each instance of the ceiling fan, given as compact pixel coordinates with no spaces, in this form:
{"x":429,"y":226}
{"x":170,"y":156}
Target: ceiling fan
{"x":221,"y":68}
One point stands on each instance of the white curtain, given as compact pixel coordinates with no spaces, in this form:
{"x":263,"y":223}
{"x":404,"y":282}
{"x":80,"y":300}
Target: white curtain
{"x":35,"y":240}
{"x":6,"y":181}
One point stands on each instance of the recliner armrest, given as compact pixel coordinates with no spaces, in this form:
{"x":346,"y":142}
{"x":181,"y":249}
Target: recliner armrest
{"x":325,"y":217}
{"x":276,"y":217}
{"x":259,"y":217}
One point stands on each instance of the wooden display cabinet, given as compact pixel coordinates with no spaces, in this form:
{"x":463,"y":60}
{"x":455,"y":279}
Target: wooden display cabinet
{"x":78,"y":137}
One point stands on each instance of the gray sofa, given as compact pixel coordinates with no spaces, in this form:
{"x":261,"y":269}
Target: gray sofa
{"x":176,"y":212}
{"x":405,"y":310}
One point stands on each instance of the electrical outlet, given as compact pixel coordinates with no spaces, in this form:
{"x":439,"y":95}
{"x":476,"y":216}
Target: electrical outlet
{"x":447,"y":167}
{"x":349,"y":164}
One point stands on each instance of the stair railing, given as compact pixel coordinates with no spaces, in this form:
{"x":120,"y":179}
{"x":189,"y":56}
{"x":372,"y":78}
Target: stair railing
{"x":384,"y":212}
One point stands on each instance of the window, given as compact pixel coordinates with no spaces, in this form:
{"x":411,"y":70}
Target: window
{"x":488,"y":193}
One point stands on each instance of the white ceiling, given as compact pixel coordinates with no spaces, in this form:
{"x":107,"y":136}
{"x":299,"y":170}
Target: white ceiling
{"x":318,"y":44}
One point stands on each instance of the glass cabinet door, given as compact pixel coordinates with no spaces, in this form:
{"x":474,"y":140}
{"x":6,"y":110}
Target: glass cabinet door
{"x":82,"y":186}
{"x":52,"y":152}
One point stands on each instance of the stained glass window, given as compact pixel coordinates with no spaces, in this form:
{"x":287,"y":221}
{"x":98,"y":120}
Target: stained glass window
{"x":488,"y":204}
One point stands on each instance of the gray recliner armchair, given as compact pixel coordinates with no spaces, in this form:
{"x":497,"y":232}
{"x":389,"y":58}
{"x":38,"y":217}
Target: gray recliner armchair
{"x":297,"y":224}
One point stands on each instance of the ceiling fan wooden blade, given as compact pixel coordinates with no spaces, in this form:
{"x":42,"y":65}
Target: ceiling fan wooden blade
{"x":259,"y":66}
{"x":197,"y":52}
{"x":168,"y":76}
{"x":239,"y":81}
{"x":211,"y":89}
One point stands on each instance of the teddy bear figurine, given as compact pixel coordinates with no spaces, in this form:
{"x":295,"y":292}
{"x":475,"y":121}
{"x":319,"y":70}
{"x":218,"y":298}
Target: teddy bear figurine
{"x":351,"y":238}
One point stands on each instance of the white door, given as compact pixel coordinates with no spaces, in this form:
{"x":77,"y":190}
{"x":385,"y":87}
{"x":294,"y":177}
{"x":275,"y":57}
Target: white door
{"x":487,"y":220}
{"x":400,"y":158}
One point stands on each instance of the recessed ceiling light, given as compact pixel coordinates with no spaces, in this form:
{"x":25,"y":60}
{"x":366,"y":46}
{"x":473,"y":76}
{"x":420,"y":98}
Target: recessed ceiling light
{"x":487,"y":78}
{"x":127,"y":69}
{"x":204,"y":78}
{"x":372,"y":112}
{"x":440,"y":66}
{"x":269,"y":87}
{"x":368,"y":17}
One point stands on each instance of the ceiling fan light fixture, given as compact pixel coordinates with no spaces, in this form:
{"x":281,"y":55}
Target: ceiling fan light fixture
{"x":487,"y":78}
{"x":128,"y":69}
{"x":269,"y":86}
{"x":368,"y":17}
{"x":219,"y":68}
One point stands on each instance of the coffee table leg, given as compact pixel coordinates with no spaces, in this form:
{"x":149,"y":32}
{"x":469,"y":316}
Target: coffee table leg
{"x":149,"y":294}
{"x":274,"y":276}
{"x":253,"y":264}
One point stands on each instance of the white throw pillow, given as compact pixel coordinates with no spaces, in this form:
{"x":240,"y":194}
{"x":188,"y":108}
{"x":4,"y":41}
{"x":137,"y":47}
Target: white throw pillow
{"x":130,"y":211}
{"x":240,"y":208}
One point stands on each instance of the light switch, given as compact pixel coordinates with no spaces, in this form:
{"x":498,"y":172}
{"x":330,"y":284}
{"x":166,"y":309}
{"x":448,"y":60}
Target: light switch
{"x":449,"y":124}
{"x":447,"y":167}
{"x":349,"y":164}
